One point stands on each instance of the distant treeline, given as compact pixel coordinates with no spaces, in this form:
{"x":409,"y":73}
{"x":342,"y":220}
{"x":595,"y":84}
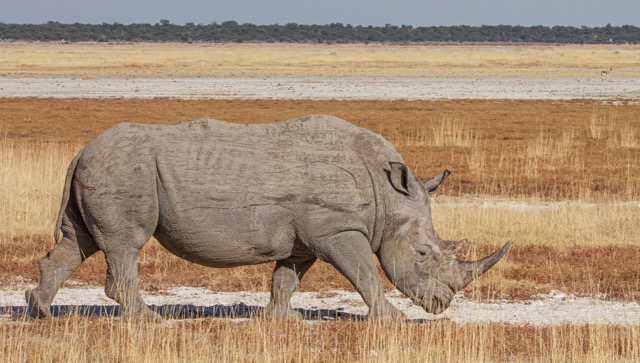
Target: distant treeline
{"x":231,"y":31}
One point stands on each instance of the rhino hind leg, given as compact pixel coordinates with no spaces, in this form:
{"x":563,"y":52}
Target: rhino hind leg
{"x":121,"y":229}
{"x":55,"y":268}
{"x":350,"y":253}
{"x":285,"y":279}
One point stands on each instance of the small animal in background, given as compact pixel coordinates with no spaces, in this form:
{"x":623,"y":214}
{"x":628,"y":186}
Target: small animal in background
{"x":604,"y":75}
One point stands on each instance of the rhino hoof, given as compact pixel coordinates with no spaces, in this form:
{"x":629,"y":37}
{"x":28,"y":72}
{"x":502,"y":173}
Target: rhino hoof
{"x":386,"y":312}
{"x":286,"y":314}
{"x":140,"y":313}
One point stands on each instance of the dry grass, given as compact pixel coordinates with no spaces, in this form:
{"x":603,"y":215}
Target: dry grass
{"x":304,"y":60}
{"x":75,"y":339}
{"x":561,"y":180}
{"x":593,"y":160}
{"x":438,"y":133}
{"x":552,"y":150}
{"x":31,"y":175}
{"x":549,"y":231}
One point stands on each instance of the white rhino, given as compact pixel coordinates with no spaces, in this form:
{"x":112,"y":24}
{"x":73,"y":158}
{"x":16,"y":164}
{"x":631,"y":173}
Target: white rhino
{"x":223,"y":195}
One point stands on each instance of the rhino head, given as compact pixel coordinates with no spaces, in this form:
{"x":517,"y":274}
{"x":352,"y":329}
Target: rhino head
{"x":416,"y":260}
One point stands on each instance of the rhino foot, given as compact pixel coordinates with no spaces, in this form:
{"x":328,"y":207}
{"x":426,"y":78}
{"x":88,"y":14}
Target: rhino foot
{"x":144,"y":314}
{"x":386,"y":312}
{"x":286,"y":313}
{"x":36,"y":309}
{"x":141,"y":312}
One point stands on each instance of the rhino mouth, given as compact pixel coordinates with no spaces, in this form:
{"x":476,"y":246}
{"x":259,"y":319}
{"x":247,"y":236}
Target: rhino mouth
{"x":436,"y":299}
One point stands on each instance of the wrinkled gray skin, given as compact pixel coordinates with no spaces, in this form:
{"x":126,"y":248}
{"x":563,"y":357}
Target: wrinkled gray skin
{"x":224,"y":195}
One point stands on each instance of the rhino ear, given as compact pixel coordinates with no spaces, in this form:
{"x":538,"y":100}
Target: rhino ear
{"x":401,"y":178}
{"x":433,"y":184}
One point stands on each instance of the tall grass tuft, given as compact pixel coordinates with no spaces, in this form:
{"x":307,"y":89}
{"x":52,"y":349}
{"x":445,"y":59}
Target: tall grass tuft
{"x":76,"y":339}
{"x":453,"y":133}
{"x":31,"y":179}
{"x":446,"y":132}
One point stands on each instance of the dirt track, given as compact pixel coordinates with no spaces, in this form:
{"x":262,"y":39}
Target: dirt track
{"x":371,"y":88}
{"x":555,"y":308}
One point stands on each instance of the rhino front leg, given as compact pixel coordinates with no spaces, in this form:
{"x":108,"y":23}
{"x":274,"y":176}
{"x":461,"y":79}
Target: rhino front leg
{"x":286,"y":278}
{"x":350,"y":253}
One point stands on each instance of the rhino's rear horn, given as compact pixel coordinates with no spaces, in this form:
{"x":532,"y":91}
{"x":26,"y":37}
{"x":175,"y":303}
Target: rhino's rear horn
{"x":452,"y":248}
{"x":470,"y":270}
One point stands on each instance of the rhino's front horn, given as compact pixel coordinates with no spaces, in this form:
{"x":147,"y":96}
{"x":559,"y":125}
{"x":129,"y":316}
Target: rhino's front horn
{"x":469,"y":270}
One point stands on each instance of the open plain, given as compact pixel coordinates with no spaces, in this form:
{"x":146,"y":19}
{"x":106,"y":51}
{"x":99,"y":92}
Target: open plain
{"x":558,"y":175}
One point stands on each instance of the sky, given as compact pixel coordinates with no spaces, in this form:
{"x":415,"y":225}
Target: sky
{"x":589,"y":13}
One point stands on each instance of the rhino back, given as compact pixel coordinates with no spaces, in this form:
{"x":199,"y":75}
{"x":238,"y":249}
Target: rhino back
{"x":301,"y":164}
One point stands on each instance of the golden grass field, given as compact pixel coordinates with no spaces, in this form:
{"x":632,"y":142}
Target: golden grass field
{"x":78,"y":339}
{"x":89,"y":60}
{"x":576,"y":162}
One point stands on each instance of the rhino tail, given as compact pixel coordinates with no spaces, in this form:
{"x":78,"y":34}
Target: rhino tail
{"x":65,"y":195}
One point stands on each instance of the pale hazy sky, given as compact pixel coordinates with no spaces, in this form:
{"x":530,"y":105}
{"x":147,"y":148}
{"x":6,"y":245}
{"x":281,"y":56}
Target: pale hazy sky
{"x":356,"y":12}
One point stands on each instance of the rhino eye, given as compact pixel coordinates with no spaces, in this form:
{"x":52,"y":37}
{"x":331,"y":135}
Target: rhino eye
{"x":420,"y":253}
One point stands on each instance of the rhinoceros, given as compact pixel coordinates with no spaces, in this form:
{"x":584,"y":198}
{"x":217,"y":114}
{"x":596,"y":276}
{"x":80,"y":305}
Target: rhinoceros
{"x":222,"y":195}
